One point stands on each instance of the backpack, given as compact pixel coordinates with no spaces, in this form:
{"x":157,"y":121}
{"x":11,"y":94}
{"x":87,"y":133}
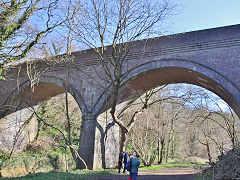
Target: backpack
{"x":129,"y":165}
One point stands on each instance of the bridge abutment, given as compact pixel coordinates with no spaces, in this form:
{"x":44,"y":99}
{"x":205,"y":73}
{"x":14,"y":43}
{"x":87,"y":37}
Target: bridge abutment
{"x":87,"y":141}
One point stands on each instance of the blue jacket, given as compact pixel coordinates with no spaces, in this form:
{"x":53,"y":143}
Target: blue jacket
{"x":135,"y":164}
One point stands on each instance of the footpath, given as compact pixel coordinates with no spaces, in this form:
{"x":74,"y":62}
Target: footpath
{"x":164,"y":174}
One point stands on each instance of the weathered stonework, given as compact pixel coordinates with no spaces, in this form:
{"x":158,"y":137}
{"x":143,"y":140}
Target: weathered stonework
{"x":207,"y":58}
{"x":106,"y":142}
{"x":13,"y":130}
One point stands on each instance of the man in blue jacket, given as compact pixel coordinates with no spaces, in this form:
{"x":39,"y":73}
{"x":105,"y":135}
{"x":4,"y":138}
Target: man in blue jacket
{"x":134,"y":167}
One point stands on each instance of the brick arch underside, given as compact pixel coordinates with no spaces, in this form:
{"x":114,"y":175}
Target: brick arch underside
{"x":157,"y":73}
{"x":168,"y":75}
{"x":46,"y":88}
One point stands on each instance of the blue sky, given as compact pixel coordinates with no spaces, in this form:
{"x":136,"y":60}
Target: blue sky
{"x":205,"y":14}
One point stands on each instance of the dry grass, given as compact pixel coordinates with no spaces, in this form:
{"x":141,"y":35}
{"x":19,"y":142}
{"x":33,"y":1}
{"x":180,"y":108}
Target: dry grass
{"x":14,"y":172}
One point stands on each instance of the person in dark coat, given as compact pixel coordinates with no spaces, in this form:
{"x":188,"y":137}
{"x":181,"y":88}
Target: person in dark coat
{"x":120,"y":160}
{"x":125,"y":160}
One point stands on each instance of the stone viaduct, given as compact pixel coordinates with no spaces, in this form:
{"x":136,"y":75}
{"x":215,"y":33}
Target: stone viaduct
{"x":207,"y":58}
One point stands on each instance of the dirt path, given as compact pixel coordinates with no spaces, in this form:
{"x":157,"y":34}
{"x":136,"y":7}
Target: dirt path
{"x":166,"y":174}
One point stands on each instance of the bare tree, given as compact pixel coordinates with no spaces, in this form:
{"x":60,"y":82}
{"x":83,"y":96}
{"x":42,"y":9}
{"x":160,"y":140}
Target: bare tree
{"x":215,"y":124}
{"x":156,"y":123}
{"x":19,"y":31}
{"x":141,"y":104}
{"x":143,"y":139}
{"x":65,"y":133}
{"x":110,"y":27}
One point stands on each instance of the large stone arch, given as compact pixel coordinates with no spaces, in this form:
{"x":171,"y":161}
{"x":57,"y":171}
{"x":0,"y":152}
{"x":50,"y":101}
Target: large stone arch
{"x":45,"y":88}
{"x":168,"y":71}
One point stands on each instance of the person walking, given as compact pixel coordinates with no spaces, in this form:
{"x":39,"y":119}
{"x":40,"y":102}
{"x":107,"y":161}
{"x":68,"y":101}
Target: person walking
{"x":135,"y":163}
{"x":131,"y":156}
{"x":125,"y":160}
{"x":120,"y":159}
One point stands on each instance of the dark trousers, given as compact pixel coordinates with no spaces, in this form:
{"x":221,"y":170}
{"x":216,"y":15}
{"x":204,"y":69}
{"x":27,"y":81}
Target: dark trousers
{"x":124,"y":168}
{"x":133,"y":176}
{"x":119,"y":166}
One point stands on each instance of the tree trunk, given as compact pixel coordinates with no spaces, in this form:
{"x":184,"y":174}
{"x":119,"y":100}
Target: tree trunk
{"x":161,"y":151}
{"x":173,"y":147}
{"x":167,"y":151}
{"x":122,"y":145}
{"x":66,"y":159}
{"x":69,"y":128}
{"x":159,"y":161}
{"x":209,"y":153}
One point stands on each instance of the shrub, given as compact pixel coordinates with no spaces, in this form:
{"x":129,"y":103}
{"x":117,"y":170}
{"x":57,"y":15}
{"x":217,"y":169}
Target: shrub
{"x":227,"y":166}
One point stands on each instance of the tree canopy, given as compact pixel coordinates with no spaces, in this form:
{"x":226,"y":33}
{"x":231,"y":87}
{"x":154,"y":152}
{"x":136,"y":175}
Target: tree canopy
{"x":22,"y":24}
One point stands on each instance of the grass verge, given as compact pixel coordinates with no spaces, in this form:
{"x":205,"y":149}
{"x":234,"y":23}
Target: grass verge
{"x":72,"y":175}
{"x":159,"y":167}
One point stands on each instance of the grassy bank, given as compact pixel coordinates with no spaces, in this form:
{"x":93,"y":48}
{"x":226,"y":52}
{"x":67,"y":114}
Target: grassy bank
{"x":72,"y":175}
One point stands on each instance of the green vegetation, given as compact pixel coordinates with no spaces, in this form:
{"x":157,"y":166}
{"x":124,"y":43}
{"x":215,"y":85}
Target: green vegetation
{"x":202,"y":178}
{"x":77,"y":174}
{"x":170,"y":165}
{"x":89,"y":174}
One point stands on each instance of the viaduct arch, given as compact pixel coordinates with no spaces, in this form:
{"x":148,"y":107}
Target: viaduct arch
{"x":207,"y":58}
{"x":169,"y":71}
{"x":45,"y":88}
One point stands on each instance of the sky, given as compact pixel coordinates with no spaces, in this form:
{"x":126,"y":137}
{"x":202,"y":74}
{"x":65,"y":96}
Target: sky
{"x":205,"y":14}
